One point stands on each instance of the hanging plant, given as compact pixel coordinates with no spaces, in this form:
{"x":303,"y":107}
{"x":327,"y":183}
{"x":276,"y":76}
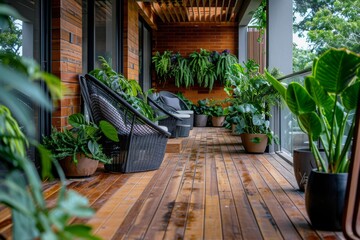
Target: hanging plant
{"x":200,"y":65}
{"x":225,"y":60}
{"x":182,"y":72}
{"x":162,"y":64}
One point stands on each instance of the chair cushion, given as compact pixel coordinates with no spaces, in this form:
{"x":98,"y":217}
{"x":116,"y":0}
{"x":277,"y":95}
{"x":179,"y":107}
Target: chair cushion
{"x":172,"y":102}
{"x":109,"y":112}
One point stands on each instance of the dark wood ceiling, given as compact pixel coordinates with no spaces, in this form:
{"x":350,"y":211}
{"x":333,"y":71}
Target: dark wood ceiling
{"x":196,"y":11}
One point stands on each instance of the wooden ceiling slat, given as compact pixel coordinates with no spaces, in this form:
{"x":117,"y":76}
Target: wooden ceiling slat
{"x":192,"y":10}
{"x":165,"y":11}
{"x":177,"y":11}
{"x":183,"y":15}
{"x":158,"y":11}
{"x":227,"y":11}
{"x":221,"y":10}
{"x":170,"y":9}
{"x":198,"y":10}
{"x":195,"y":11}
{"x":216,"y":10}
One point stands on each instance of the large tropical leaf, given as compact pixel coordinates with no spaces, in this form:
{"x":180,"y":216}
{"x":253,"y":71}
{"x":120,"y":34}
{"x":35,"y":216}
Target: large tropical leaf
{"x":350,"y":96}
{"x":335,"y":69}
{"x":312,"y":124}
{"x":76,"y":120}
{"x":298,"y":99}
{"x":277,"y":85}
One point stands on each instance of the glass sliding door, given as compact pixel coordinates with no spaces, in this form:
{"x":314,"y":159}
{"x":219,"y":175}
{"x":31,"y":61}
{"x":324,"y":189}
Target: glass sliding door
{"x":102,"y":33}
{"x":144,"y":55}
{"x":31,"y":39}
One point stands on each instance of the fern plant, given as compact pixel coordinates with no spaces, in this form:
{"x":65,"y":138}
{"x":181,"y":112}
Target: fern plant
{"x":162,"y":64}
{"x":225,"y":60}
{"x":182,"y":72}
{"x":200,"y":65}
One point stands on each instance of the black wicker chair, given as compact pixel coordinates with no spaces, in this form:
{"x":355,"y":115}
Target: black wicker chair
{"x":167,"y":118}
{"x":182,"y":108}
{"x":142,"y":143}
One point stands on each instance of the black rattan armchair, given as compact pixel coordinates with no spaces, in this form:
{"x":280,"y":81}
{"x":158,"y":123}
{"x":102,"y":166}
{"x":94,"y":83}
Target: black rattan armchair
{"x":142,"y":143}
{"x":167,"y":118}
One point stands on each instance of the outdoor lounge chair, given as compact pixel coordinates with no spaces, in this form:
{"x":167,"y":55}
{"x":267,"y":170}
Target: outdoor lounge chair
{"x":142,"y":143}
{"x":167,"y":118}
{"x":172,"y":120}
{"x":174,"y":103}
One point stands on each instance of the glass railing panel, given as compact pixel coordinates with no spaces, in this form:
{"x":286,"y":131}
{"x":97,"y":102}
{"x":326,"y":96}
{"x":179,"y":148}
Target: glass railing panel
{"x":291,"y":136}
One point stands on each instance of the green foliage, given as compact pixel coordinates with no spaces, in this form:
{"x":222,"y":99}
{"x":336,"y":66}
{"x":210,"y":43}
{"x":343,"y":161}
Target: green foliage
{"x":202,"y":107}
{"x":217,"y":111}
{"x":223,"y":64}
{"x":325,"y":107}
{"x":329,"y":23}
{"x":302,"y":58}
{"x":202,"y":69}
{"x":82,"y":138}
{"x":130,"y":90}
{"x":252,"y":97}
{"x":162,"y":64}
{"x":204,"y":66}
{"x":259,"y":20}
{"x":20,"y":185}
{"x":181,"y":71}
{"x":11,"y":37}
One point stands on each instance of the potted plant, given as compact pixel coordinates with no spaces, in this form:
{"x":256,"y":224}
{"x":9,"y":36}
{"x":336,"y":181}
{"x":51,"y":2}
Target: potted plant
{"x":201,"y":111}
{"x":325,"y":109}
{"x":252,"y":97}
{"x":78,"y":149}
{"x":217,"y":113}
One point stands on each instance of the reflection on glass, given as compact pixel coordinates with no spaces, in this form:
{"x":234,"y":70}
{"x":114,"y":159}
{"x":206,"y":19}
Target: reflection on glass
{"x":105,"y":31}
{"x":292,"y":137}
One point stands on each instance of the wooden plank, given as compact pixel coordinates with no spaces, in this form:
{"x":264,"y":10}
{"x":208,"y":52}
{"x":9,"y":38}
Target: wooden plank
{"x":294,"y":215}
{"x":130,"y":218}
{"x":196,"y":213}
{"x":177,"y":221}
{"x":151,"y":203}
{"x":248,"y":224}
{"x":231,"y":226}
{"x":213,"y":224}
{"x":157,"y":227}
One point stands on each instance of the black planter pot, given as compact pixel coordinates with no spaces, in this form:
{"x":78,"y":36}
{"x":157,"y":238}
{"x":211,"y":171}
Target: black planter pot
{"x":325,"y":199}
{"x":303,"y":162}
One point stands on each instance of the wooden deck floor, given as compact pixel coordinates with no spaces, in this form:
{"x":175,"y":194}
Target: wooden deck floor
{"x":211,"y":190}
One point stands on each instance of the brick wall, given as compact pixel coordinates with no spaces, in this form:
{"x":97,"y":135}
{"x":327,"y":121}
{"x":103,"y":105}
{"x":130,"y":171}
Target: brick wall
{"x":67,"y":56}
{"x":131,"y":40}
{"x":186,"y":39}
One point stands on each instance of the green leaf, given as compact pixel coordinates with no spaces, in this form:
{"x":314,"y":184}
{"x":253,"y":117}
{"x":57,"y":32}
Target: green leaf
{"x":277,"y":85}
{"x":350,"y":96}
{"x":255,"y":140}
{"x":76,"y":120}
{"x":81,"y":231}
{"x":312,"y":124}
{"x":298,"y":99}
{"x":335,"y":69}
{"x":93,"y":147}
{"x":109,"y":130}
{"x":76,"y":205}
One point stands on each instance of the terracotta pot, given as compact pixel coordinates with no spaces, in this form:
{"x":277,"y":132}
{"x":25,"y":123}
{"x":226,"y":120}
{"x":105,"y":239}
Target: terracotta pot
{"x":218,"y":121}
{"x":85,"y":167}
{"x":254,"y":143}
